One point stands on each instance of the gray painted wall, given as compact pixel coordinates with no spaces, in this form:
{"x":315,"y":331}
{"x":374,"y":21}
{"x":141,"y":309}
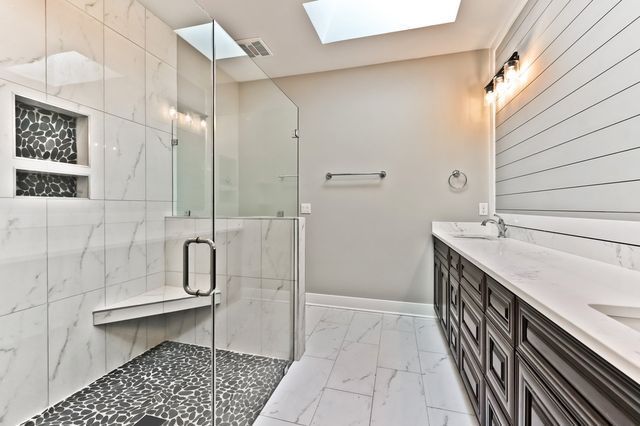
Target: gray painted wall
{"x":418,"y":120}
{"x":567,"y":142}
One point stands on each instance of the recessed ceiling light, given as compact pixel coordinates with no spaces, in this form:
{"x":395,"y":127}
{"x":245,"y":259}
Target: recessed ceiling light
{"x":337,"y":20}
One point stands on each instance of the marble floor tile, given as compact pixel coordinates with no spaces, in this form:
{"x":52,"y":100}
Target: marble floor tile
{"x":398,"y":399}
{"x":313,"y":316}
{"x":442,"y":384}
{"x":398,"y":351}
{"x":326,"y":340}
{"x":268,"y":421}
{"x":439,"y":417}
{"x":355,"y":368}
{"x":397,"y":322}
{"x":338,"y":316}
{"x":365,"y":328}
{"x":339,"y":408}
{"x":429,"y":336}
{"x":296,"y":398}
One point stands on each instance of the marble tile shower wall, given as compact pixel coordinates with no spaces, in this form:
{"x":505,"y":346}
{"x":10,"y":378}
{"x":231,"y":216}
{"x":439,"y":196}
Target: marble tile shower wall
{"x":255,"y":270}
{"x":114,"y":62}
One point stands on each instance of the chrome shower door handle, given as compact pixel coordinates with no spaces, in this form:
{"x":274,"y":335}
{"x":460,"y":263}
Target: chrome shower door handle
{"x":185,"y":266}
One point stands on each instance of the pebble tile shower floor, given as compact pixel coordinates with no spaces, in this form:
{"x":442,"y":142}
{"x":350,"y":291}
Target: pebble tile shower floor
{"x":172,"y":381}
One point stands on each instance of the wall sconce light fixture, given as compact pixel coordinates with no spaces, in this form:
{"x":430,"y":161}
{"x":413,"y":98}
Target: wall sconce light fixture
{"x":504,"y":81}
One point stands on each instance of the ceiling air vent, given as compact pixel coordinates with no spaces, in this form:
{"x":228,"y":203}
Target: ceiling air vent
{"x":254,"y":47}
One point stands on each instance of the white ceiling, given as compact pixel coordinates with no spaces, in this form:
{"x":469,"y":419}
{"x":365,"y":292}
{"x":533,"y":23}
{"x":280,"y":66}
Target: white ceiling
{"x":286,"y":29}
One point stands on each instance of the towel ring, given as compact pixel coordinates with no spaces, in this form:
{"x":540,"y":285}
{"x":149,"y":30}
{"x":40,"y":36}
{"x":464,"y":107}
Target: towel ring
{"x":456,"y":174}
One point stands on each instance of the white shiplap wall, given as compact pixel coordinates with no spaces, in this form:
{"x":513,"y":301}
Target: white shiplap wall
{"x":568,"y":140}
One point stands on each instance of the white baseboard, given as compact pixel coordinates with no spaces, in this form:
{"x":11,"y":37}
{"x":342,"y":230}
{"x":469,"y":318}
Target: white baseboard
{"x":371,"y":305}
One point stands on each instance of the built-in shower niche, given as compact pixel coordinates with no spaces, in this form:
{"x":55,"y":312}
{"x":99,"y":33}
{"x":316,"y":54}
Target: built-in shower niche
{"x":52,"y":145}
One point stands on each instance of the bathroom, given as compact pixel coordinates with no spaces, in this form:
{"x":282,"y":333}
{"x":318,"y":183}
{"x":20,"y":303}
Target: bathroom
{"x":319,"y":213}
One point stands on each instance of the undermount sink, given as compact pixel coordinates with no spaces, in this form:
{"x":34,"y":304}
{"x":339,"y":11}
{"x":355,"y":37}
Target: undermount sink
{"x":475,"y":236}
{"x":627,"y":315}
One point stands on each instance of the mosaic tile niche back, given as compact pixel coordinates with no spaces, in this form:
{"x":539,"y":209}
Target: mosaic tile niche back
{"x":48,"y":135}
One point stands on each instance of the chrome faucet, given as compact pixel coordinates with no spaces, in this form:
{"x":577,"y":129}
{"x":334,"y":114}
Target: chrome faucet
{"x":502,"y":227}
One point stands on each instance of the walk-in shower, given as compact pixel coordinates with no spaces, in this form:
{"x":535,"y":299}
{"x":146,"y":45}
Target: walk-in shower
{"x":126,"y":129}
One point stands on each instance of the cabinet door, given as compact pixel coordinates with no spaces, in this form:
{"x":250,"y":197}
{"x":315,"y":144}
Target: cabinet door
{"x":472,"y":378}
{"x":436,"y":285}
{"x":499,"y":370}
{"x":472,"y":326}
{"x":444,"y":302}
{"x":493,"y":415}
{"x":536,"y":405}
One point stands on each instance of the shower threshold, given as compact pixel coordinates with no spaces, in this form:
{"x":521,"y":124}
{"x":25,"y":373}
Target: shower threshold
{"x":172,"y":381}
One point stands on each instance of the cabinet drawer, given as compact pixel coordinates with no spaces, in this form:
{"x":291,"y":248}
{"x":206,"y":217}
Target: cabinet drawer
{"x":536,"y":405}
{"x":472,"y":279}
{"x":493,"y":415}
{"x":454,"y":264}
{"x":441,"y":249}
{"x":472,"y":326}
{"x":499,"y":370}
{"x":592,"y":390}
{"x":454,"y":342}
{"x":500,"y":308}
{"x":454,"y":300}
{"x":472,"y":378}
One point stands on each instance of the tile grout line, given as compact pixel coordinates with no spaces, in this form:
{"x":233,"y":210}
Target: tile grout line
{"x":375,"y":376}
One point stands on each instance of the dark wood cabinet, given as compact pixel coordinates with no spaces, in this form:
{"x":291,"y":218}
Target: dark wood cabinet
{"x":517,"y":366}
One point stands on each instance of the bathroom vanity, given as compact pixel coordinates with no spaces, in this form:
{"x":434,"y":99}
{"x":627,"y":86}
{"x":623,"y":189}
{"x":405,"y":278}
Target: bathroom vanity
{"x":538,"y":336}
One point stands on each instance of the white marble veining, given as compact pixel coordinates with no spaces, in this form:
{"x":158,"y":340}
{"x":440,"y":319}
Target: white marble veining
{"x":125,"y":340}
{"x":161,"y":40}
{"x":74,"y":55}
{"x":243,"y":314}
{"x":277,"y":249}
{"x":430,"y":336}
{"x":125,"y":159}
{"x":397,"y":322}
{"x":162,"y":93}
{"x":243,"y":247}
{"x":338,"y":316}
{"x":342,"y":408}
{"x":23,"y":254}
{"x":181,"y":326}
{"x":364,"y":328}
{"x":125,"y":85}
{"x":156,"y":213}
{"x":75,"y":238}
{"x":326,"y":340}
{"x":398,"y":399}
{"x":126,"y":17}
{"x":23,"y":62}
{"x":624,"y":255}
{"x":314,"y":315}
{"x":355,"y":368}
{"x":275,"y":324}
{"x":92,"y":7}
{"x":23,"y":364}
{"x":297,"y":396}
{"x":76,"y":348}
{"x":443,"y":386}
{"x":126,"y":252}
{"x":398,"y":350}
{"x":562,"y":286}
{"x":159,"y":172}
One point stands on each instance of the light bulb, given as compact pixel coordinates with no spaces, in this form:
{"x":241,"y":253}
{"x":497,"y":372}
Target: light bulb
{"x":203,"y":123}
{"x":173,"y":113}
{"x":500,"y":85}
{"x":188,"y":119}
{"x":489,"y":94}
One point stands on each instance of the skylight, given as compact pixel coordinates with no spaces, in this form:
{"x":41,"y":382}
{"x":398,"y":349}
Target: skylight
{"x":199,"y":36}
{"x":337,"y":20}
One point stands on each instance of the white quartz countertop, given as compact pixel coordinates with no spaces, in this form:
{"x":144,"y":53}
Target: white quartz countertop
{"x":561,"y":286}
